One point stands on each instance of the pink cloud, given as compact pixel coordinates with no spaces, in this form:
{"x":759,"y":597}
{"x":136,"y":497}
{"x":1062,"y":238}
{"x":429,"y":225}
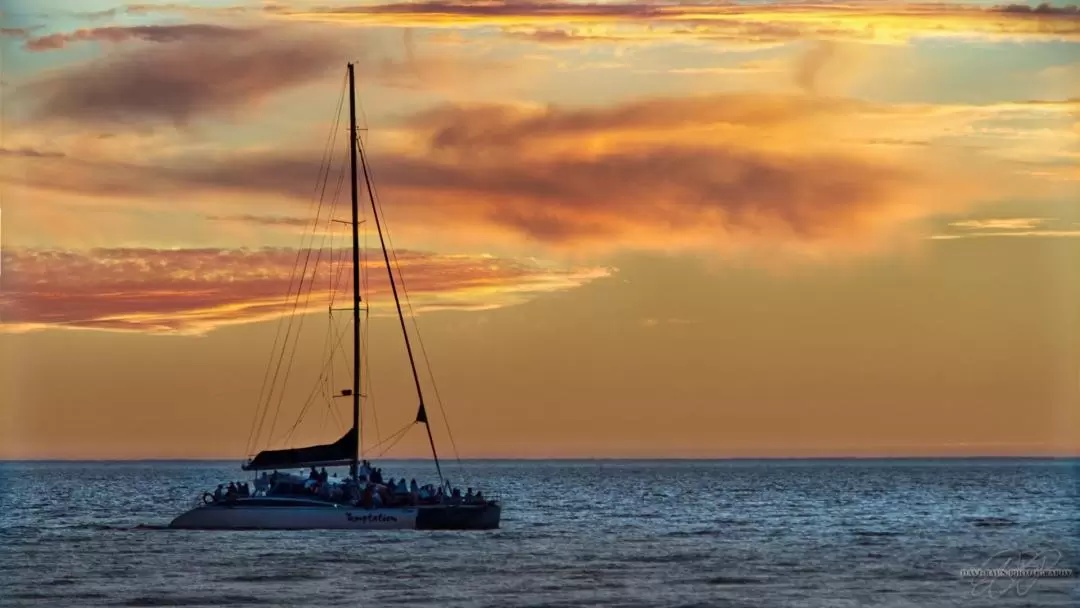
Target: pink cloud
{"x":194,"y":290}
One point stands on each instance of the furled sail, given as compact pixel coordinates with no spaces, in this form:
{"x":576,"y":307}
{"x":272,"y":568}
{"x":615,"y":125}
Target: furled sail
{"x":340,"y":452}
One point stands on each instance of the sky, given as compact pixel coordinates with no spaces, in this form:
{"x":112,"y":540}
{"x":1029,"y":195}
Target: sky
{"x":626,"y":229}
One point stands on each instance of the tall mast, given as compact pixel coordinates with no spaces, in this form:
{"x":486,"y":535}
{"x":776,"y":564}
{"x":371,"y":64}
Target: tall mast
{"x":421,"y":413}
{"x":353,"y":139}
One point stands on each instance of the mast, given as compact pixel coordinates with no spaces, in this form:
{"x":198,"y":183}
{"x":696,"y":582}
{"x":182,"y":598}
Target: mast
{"x":353,"y":139}
{"x":421,"y":414}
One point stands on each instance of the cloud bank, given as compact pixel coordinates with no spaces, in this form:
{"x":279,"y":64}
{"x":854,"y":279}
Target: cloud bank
{"x":737,"y":23}
{"x":706,"y":172}
{"x":192,"y":291}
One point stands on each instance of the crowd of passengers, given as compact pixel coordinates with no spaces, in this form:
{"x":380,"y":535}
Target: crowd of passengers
{"x":236,"y":489}
{"x":368,"y":490}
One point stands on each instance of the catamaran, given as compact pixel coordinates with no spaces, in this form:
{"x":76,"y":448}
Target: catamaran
{"x":362,"y":500}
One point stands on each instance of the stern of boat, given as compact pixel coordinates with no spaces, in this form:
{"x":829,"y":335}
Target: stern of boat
{"x":460,"y":517}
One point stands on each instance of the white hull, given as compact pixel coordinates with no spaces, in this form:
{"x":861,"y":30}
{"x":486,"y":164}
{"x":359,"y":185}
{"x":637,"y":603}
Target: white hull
{"x":271,"y":513}
{"x":296,"y":518}
{"x":329,"y":517}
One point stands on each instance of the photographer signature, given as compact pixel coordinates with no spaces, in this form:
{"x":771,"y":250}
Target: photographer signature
{"x":1017,"y":570}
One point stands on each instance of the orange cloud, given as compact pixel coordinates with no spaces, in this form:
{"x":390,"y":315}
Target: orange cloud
{"x":191,"y":291}
{"x":807,"y":173}
{"x":780,"y":21}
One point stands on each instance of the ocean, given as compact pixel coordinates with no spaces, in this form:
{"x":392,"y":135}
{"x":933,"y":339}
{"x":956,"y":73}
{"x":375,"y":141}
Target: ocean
{"x":799,"y":533}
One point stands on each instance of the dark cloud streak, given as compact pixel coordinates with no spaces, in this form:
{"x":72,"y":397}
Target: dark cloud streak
{"x":478,"y":170}
{"x":148,"y":33}
{"x":202,"y":70}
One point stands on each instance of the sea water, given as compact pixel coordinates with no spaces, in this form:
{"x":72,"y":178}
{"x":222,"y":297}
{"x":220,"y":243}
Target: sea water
{"x":800,"y":533}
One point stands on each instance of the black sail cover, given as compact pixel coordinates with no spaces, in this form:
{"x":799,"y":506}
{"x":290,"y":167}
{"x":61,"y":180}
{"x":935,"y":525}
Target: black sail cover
{"x":340,"y":452}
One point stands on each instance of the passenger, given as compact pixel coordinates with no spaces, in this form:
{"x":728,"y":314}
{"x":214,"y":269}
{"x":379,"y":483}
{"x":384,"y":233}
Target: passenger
{"x":324,"y":476}
{"x":401,"y":488}
{"x":413,"y":487}
{"x":313,"y":474}
{"x":230,"y":494}
{"x":469,"y":497}
{"x":480,"y":498}
{"x":219,"y":492}
{"x":262,"y":483}
{"x":455,"y":497}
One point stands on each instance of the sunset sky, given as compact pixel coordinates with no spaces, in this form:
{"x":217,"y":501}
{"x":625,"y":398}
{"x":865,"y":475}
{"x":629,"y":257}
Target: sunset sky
{"x":640,"y":229}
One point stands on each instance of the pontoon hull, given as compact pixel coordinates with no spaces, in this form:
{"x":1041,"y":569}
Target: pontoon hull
{"x":328,"y":516}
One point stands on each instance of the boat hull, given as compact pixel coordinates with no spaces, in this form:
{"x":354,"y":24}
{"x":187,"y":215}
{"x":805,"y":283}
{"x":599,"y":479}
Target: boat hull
{"x":312,"y":515}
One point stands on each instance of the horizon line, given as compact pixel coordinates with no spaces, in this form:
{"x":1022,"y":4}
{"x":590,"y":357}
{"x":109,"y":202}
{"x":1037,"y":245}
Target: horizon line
{"x":1073,"y":456}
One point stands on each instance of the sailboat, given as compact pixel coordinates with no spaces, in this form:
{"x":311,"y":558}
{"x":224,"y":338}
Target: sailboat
{"x":360,"y":501}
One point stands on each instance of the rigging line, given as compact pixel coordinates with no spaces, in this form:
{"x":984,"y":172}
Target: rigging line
{"x":336,"y":278}
{"x":296,"y":303}
{"x":391,"y":446}
{"x":367,"y":370}
{"x":333,"y":211}
{"x":324,"y":380}
{"x":314,"y":391}
{"x":422,"y":410}
{"x":398,"y":434}
{"x":416,"y":326}
{"x":339,"y":264}
{"x":324,"y":171}
{"x":307,"y":300}
{"x":256,"y":431}
{"x":328,"y":342}
{"x":327,"y":153}
{"x":322,"y":425}
{"x":327,"y":391}
{"x":330,"y":356}
{"x":366,"y":253}
{"x":330,"y":409}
